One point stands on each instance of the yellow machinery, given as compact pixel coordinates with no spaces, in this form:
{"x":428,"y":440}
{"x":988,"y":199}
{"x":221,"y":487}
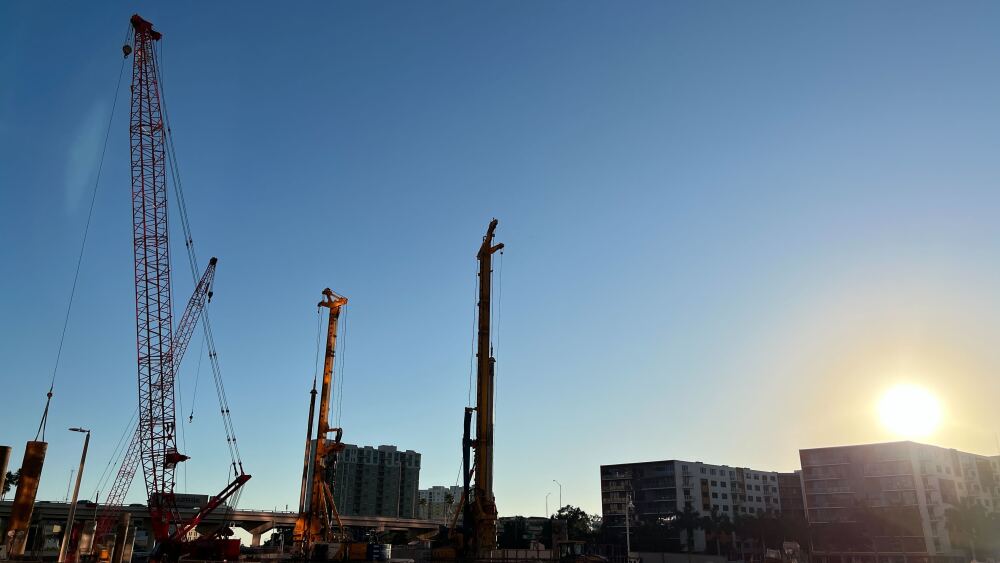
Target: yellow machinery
{"x":477,"y":536}
{"x":314,"y":534}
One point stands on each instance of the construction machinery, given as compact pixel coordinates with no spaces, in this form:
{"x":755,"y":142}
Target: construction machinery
{"x":319,"y":533}
{"x":477,"y":536}
{"x":159,"y":345}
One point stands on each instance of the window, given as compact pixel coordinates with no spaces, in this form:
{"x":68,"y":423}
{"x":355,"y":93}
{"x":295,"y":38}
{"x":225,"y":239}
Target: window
{"x":722,"y":483}
{"x":758,"y":499}
{"x":732,"y":474}
{"x":715,"y":495}
{"x":702,"y":470}
{"x":725,"y":496}
{"x":756,"y":487}
{"x":774,"y":489}
{"x":725,"y":508}
{"x":715,"y":484}
{"x":715,"y":507}
{"x":713,"y":472}
{"x":772,"y":477}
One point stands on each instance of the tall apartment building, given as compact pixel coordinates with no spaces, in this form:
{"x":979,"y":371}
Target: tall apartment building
{"x":380,"y":481}
{"x":904,"y":487}
{"x":659,"y":488}
{"x":790,"y":499}
{"x":438,"y":503}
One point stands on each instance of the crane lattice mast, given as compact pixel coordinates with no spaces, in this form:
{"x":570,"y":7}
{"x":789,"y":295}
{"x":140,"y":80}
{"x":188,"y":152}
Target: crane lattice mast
{"x":159,"y":348}
{"x":153,"y":306}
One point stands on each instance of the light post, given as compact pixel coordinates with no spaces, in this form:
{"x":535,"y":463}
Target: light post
{"x":560,"y":492}
{"x":628,"y":536}
{"x":547,"y":515}
{"x":68,"y":532}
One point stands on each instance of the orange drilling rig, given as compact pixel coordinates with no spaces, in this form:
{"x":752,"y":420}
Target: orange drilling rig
{"x":318,"y":526}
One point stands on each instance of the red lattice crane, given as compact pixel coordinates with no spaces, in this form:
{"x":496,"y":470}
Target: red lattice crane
{"x":159,"y":347}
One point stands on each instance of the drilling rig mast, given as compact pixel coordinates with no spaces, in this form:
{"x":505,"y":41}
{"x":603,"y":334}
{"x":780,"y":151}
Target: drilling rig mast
{"x":480,"y":507}
{"x":317,"y":510}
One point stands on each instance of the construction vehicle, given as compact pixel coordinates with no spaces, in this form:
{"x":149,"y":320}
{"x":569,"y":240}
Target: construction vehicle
{"x":161,"y":345}
{"x":315,"y":537}
{"x":477,"y":536}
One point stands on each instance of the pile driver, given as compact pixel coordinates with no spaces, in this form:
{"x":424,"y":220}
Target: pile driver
{"x":314,"y":528}
{"x":477,"y":536}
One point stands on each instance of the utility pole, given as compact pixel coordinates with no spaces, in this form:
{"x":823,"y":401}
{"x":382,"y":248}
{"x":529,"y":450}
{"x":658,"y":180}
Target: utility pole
{"x":68,"y":532}
{"x":560,"y":492}
{"x":547,"y":515}
{"x":628,"y":530}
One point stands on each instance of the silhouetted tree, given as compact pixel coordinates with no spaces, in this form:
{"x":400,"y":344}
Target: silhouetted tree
{"x":687,"y":521}
{"x":580,"y":525}
{"x":968,"y":525}
{"x":715,"y":524}
{"x":10,"y":482}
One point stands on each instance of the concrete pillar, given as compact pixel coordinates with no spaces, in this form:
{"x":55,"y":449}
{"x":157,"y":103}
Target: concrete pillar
{"x":257,"y":531}
{"x":121,"y":535}
{"x":129,"y":543}
{"x":4,"y":458}
{"x":86,"y":542}
{"x":24,"y":499}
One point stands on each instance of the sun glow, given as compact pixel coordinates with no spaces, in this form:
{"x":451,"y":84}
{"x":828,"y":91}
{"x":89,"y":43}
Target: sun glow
{"x":909,"y":411}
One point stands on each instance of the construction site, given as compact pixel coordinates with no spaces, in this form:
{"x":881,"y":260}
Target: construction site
{"x":171,"y":526}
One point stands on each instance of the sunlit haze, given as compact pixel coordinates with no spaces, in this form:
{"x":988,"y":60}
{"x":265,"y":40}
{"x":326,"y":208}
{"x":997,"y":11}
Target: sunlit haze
{"x":910,"y":411}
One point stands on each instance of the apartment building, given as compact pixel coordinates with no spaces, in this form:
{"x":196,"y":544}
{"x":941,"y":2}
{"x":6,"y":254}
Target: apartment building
{"x":380,"y":481}
{"x":790,"y":496}
{"x":899,"y":492}
{"x":659,"y":488}
{"x":438,"y":503}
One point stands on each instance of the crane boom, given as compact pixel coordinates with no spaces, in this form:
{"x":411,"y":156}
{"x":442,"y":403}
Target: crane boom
{"x":153,"y":306}
{"x":158,"y":351}
{"x":182,"y":337}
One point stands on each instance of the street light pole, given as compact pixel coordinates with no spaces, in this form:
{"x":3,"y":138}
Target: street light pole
{"x":628,"y":536}
{"x":547,"y":515}
{"x":68,"y":532}
{"x":560,"y":492}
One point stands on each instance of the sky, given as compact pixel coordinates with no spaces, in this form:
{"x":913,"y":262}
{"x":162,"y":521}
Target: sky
{"x":730,"y":227}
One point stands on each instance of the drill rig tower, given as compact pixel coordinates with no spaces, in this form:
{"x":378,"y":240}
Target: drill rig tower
{"x":317,"y":511}
{"x":480,"y":507}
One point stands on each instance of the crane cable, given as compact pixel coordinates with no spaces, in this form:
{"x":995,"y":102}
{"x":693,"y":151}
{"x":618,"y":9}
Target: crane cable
{"x":340,"y":378}
{"x":231,"y":443}
{"x":117,"y":453}
{"x":79,"y":259}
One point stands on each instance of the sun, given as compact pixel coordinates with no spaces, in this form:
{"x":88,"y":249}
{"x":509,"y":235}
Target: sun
{"x":910,"y":411}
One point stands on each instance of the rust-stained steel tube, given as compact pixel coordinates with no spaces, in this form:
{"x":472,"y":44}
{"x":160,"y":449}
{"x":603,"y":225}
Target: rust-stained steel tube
{"x":4,"y":459}
{"x":24,"y":499}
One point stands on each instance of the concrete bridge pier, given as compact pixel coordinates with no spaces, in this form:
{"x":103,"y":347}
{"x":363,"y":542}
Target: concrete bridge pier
{"x":258,"y":530}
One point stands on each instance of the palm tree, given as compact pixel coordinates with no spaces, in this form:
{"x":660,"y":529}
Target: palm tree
{"x":687,"y":520}
{"x":10,"y":482}
{"x":967,"y":523}
{"x":715,"y":524}
{"x":449,"y":499}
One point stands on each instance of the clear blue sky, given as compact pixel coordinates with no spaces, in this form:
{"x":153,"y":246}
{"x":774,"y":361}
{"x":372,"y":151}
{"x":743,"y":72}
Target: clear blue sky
{"x":729,"y":226}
